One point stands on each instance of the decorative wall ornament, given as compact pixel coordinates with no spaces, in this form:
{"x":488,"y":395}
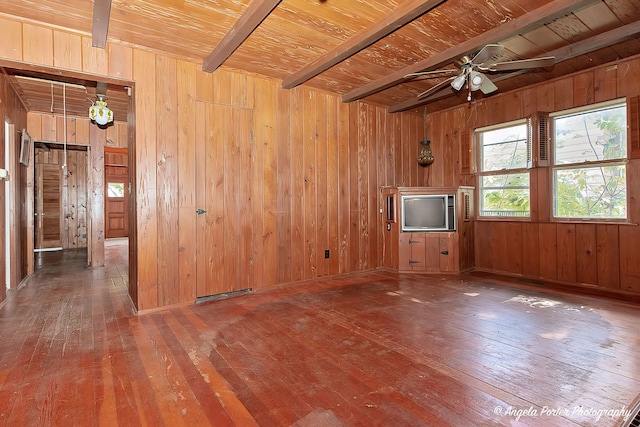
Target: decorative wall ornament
{"x":425,"y":156}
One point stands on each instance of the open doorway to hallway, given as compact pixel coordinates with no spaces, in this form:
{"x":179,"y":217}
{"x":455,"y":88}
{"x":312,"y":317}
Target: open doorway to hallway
{"x":62,"y":191}
{"x":61,"y":197}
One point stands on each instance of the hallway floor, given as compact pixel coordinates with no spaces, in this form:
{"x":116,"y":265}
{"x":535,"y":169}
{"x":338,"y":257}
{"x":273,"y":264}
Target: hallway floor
{"x":361,"y":350}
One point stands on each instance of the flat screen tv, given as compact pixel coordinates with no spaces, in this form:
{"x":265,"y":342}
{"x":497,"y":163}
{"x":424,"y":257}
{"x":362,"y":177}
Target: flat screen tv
{"x":428,"y":212}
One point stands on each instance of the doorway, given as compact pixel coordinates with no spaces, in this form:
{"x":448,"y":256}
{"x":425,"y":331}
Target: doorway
{"x":224,"y":261}
{"x":116,"y":204}
{"x":60,"y":199}
{"x":39,"y":80}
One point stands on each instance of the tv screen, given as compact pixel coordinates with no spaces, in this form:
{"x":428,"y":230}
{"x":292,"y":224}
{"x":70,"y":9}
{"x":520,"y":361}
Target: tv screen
{"x":427,"y":213}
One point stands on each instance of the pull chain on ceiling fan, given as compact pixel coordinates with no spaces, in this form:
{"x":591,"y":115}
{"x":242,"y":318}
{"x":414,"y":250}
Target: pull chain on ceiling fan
{"x":472,"y":71}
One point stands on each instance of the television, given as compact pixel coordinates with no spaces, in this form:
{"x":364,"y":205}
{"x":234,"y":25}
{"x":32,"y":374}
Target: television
{"x":428,"y":212}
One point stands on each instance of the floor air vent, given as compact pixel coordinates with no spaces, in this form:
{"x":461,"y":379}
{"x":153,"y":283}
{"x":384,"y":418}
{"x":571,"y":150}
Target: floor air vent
{"x":634,"y":418}
{"x":222,"y":296}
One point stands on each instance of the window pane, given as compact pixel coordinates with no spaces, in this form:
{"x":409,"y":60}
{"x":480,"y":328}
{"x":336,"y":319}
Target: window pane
{"x":115,"y":189}
{"x":505,"y":195}
{"x":596,"y":192}
{"x":504,"y":148}
{"x":591,"y":136}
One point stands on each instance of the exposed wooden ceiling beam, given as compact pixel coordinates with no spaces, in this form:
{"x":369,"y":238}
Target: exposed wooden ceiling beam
{"x":253,"y":16}
{"x":101,"y":13}
{"x":565,"y":53}
{"x":523,"y":24}
{"x":399,"y":17}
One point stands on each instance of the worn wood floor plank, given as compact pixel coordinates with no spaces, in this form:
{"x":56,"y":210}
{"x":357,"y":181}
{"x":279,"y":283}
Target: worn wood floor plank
{"x":365,"y":349}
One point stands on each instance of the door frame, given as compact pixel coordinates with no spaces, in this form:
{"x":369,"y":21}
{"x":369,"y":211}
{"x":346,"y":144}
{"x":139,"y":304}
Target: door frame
{"x":53,"y":73}
{"x":10,"y":203}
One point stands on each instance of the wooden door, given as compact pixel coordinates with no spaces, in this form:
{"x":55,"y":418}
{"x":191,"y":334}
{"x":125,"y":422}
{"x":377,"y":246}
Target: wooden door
{"x":48,"y":205}
{"x":224,"y":226}
{"x":116,"y":201}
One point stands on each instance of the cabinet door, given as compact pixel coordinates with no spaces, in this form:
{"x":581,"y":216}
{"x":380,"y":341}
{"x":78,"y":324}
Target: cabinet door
{"x":418,"y":248}
{"x":447,"y":252}
{"x":432,"y":252}
{"x":411,"y":248}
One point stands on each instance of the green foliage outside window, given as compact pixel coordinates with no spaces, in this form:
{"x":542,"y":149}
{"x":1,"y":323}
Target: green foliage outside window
{"x":115,"y":189}
{"x":589,"y":188}
{"x":504,"y":191}
{"x":505,"y":195}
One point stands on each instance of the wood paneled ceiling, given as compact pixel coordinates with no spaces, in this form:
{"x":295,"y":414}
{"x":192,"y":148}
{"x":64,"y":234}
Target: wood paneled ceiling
{"x":62,"y":95}
{"x":301,"y":33}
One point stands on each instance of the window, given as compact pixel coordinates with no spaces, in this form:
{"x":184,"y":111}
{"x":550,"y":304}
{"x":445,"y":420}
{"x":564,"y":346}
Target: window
{"x":503,"y":175}
{"x":589,"y":162}
{"x":115,"y":189}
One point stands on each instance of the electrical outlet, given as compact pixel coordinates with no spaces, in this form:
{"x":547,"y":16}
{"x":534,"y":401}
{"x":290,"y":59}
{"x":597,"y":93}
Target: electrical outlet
{"x":326,"y":253}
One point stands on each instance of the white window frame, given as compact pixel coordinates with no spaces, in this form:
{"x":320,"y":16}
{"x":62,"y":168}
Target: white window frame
{"x":589,"y":164}
{"x":481,"y":173}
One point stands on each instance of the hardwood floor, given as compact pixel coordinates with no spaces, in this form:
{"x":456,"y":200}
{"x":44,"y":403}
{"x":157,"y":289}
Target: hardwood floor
{"x":370,"y":349}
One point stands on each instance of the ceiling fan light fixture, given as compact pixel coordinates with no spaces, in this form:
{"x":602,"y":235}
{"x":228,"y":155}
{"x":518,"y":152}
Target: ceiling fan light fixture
{"x":99,"y":112}
{"x":475,"y":80}
{"x":471,"y":71}
{"x":458,"y":82}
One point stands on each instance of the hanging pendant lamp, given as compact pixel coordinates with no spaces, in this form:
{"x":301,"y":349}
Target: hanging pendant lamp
{"x":99,"y":112}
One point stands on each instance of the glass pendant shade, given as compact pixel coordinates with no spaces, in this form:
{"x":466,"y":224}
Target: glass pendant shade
{"x":458,"y":82}
{"x":475,"y":80}
{"x":425,"y":156}
{"x":99,"y":112}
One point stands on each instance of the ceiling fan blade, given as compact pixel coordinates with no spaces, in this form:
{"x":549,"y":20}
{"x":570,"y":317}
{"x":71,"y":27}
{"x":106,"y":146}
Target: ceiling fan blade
{"x":428,"y":74}
{"x":490,"y":52}
{"x":487,"y":86}
{"x":543,"y":62}
{"x":436,"y":88}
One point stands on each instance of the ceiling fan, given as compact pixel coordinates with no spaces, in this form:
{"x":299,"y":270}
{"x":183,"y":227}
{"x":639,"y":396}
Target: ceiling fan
{"x":472,"y":71}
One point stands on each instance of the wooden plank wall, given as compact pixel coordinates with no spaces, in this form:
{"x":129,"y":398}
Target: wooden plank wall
{"x":50,"y":127}
{"x":309,"y":176}
{"x":601,"y":255}
{"x":311,"y":173}
{"x":11,"y":109}
{"x":307,"y":179}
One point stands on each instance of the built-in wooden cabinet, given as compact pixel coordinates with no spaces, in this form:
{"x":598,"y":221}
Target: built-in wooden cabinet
{"x":428,"y":251}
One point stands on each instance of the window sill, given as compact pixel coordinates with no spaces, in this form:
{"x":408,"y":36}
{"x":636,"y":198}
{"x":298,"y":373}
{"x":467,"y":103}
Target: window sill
{"x":595,"y":221}
{"x":556,"y":221}
{"x":504,"y":218}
